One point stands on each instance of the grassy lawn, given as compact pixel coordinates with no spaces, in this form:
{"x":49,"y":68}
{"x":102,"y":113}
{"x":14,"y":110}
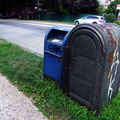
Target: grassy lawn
{"x":24,"y":69}
{"x":62,"y":22}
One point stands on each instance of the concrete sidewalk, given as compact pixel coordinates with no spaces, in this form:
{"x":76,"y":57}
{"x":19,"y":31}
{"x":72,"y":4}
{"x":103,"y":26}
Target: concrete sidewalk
{"x":14,"y":105}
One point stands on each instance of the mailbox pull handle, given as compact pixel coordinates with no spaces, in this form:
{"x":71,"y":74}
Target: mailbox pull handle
{"x":53,"y":54}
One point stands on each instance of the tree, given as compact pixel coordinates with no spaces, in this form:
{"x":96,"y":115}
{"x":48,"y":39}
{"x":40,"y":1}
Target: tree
{"x":89,"y":6}
{"x":50,"y":5}
{"x":63,"y":8}
{"x":16,"y":6}
{"x":112,"y":7}
{"x":101,"y":9}
{"x":71,"y":6}
{"x":83,"y":6}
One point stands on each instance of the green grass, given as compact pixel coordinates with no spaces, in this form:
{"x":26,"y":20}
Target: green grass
{"x":25,"y":70}
{"x":117,"y":22}
{"x":62,"y":22}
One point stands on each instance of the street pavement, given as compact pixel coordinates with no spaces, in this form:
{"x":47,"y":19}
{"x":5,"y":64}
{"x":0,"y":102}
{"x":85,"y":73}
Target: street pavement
{"x":14,"y":105}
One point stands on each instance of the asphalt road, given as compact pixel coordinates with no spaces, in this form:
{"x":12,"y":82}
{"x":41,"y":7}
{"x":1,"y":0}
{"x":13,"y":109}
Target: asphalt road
{"x":27,"y":34}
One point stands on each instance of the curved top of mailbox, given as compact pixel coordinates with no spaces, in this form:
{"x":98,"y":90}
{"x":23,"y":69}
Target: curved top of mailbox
{"x":107,"y":33}
{"x":58,"y":33}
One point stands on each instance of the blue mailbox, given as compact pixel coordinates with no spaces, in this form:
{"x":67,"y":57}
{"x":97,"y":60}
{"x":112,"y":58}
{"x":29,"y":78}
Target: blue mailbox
{"x":55,"y":41}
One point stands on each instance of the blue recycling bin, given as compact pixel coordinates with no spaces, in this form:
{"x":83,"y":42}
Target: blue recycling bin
{"x":54,"y":43}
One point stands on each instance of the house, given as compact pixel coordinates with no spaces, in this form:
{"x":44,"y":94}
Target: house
{"x":105,"y":3}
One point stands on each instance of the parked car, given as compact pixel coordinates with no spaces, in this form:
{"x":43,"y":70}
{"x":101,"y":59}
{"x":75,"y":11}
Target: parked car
{"x":92,"y":19}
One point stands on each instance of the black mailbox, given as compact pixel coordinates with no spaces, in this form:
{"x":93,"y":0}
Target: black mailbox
{"x":91,"y":72}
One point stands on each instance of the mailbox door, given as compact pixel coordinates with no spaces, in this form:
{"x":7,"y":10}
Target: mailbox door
{"x":85,"y":49}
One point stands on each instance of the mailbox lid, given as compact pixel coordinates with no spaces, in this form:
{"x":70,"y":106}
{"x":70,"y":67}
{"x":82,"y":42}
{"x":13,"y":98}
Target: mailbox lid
{"x":55,"y":40}
{"x":56,"y":35}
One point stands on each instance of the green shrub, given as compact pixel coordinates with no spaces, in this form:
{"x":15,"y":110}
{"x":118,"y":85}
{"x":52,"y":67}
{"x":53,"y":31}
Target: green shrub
{"x":109,"y":18}
{"x":117,"y":22}
{"x":62,"y":10}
